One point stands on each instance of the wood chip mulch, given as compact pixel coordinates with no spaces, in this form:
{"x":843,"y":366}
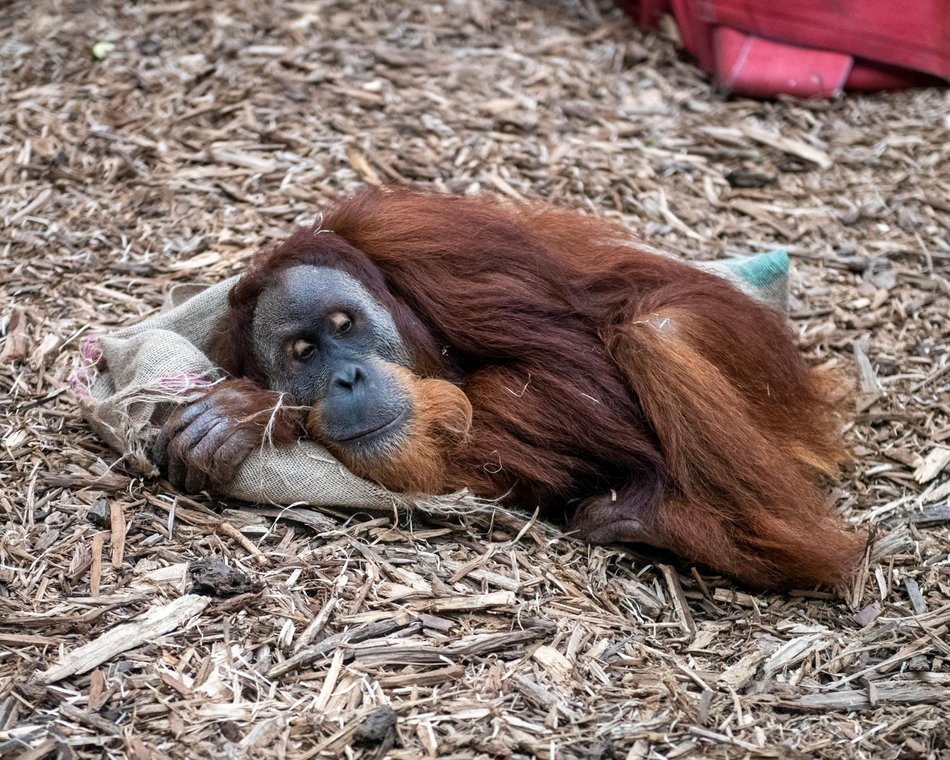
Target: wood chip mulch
{"x":144,"y":145}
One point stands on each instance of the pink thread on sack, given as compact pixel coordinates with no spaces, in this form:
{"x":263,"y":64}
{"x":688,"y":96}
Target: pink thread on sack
{"x":91,"y":361}
{"x":183,"y":381}
{"x":78,"y":382}
{"x":90,"y":351}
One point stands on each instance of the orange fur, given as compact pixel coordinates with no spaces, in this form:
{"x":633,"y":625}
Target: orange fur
{"x":728,"y":455}
{"x":441,"y":418}
{"x":673,"y":408}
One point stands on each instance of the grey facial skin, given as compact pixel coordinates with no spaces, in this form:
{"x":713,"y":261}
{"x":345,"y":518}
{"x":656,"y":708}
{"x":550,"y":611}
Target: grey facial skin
{"x":320,"y":337}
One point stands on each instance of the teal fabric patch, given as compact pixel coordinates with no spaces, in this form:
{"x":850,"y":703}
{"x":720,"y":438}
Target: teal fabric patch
{"x":763,"y":270}
{"x":763,"y":276}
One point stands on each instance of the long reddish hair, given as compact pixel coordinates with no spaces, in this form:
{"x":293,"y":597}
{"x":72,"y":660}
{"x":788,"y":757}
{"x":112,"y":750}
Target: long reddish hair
{"x":590,"y":362}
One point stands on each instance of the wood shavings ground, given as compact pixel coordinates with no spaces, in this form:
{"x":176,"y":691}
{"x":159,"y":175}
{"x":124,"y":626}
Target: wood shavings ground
{"x":203,"y":130}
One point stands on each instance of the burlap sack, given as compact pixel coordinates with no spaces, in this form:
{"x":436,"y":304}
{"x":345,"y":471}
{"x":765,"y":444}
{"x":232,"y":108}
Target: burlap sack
{"x":122,"y":377}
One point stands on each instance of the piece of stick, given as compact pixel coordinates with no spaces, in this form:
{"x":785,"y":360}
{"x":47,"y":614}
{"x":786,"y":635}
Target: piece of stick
{"x":95,"y":570}
{"x":465,"y":603}
{"x":117,"y":540}
{"x":787,"y":145}
{"x":231,"y":532}
{"x":158,"y":620}
{"x":679,"y":600}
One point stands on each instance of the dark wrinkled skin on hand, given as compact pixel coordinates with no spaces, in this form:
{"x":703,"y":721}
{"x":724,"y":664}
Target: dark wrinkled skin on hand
{"x":203,"y":444}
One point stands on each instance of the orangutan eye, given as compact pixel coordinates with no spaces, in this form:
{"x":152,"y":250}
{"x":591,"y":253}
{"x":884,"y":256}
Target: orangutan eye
{"x":302,"y":350}
{"x":340,"y":322}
